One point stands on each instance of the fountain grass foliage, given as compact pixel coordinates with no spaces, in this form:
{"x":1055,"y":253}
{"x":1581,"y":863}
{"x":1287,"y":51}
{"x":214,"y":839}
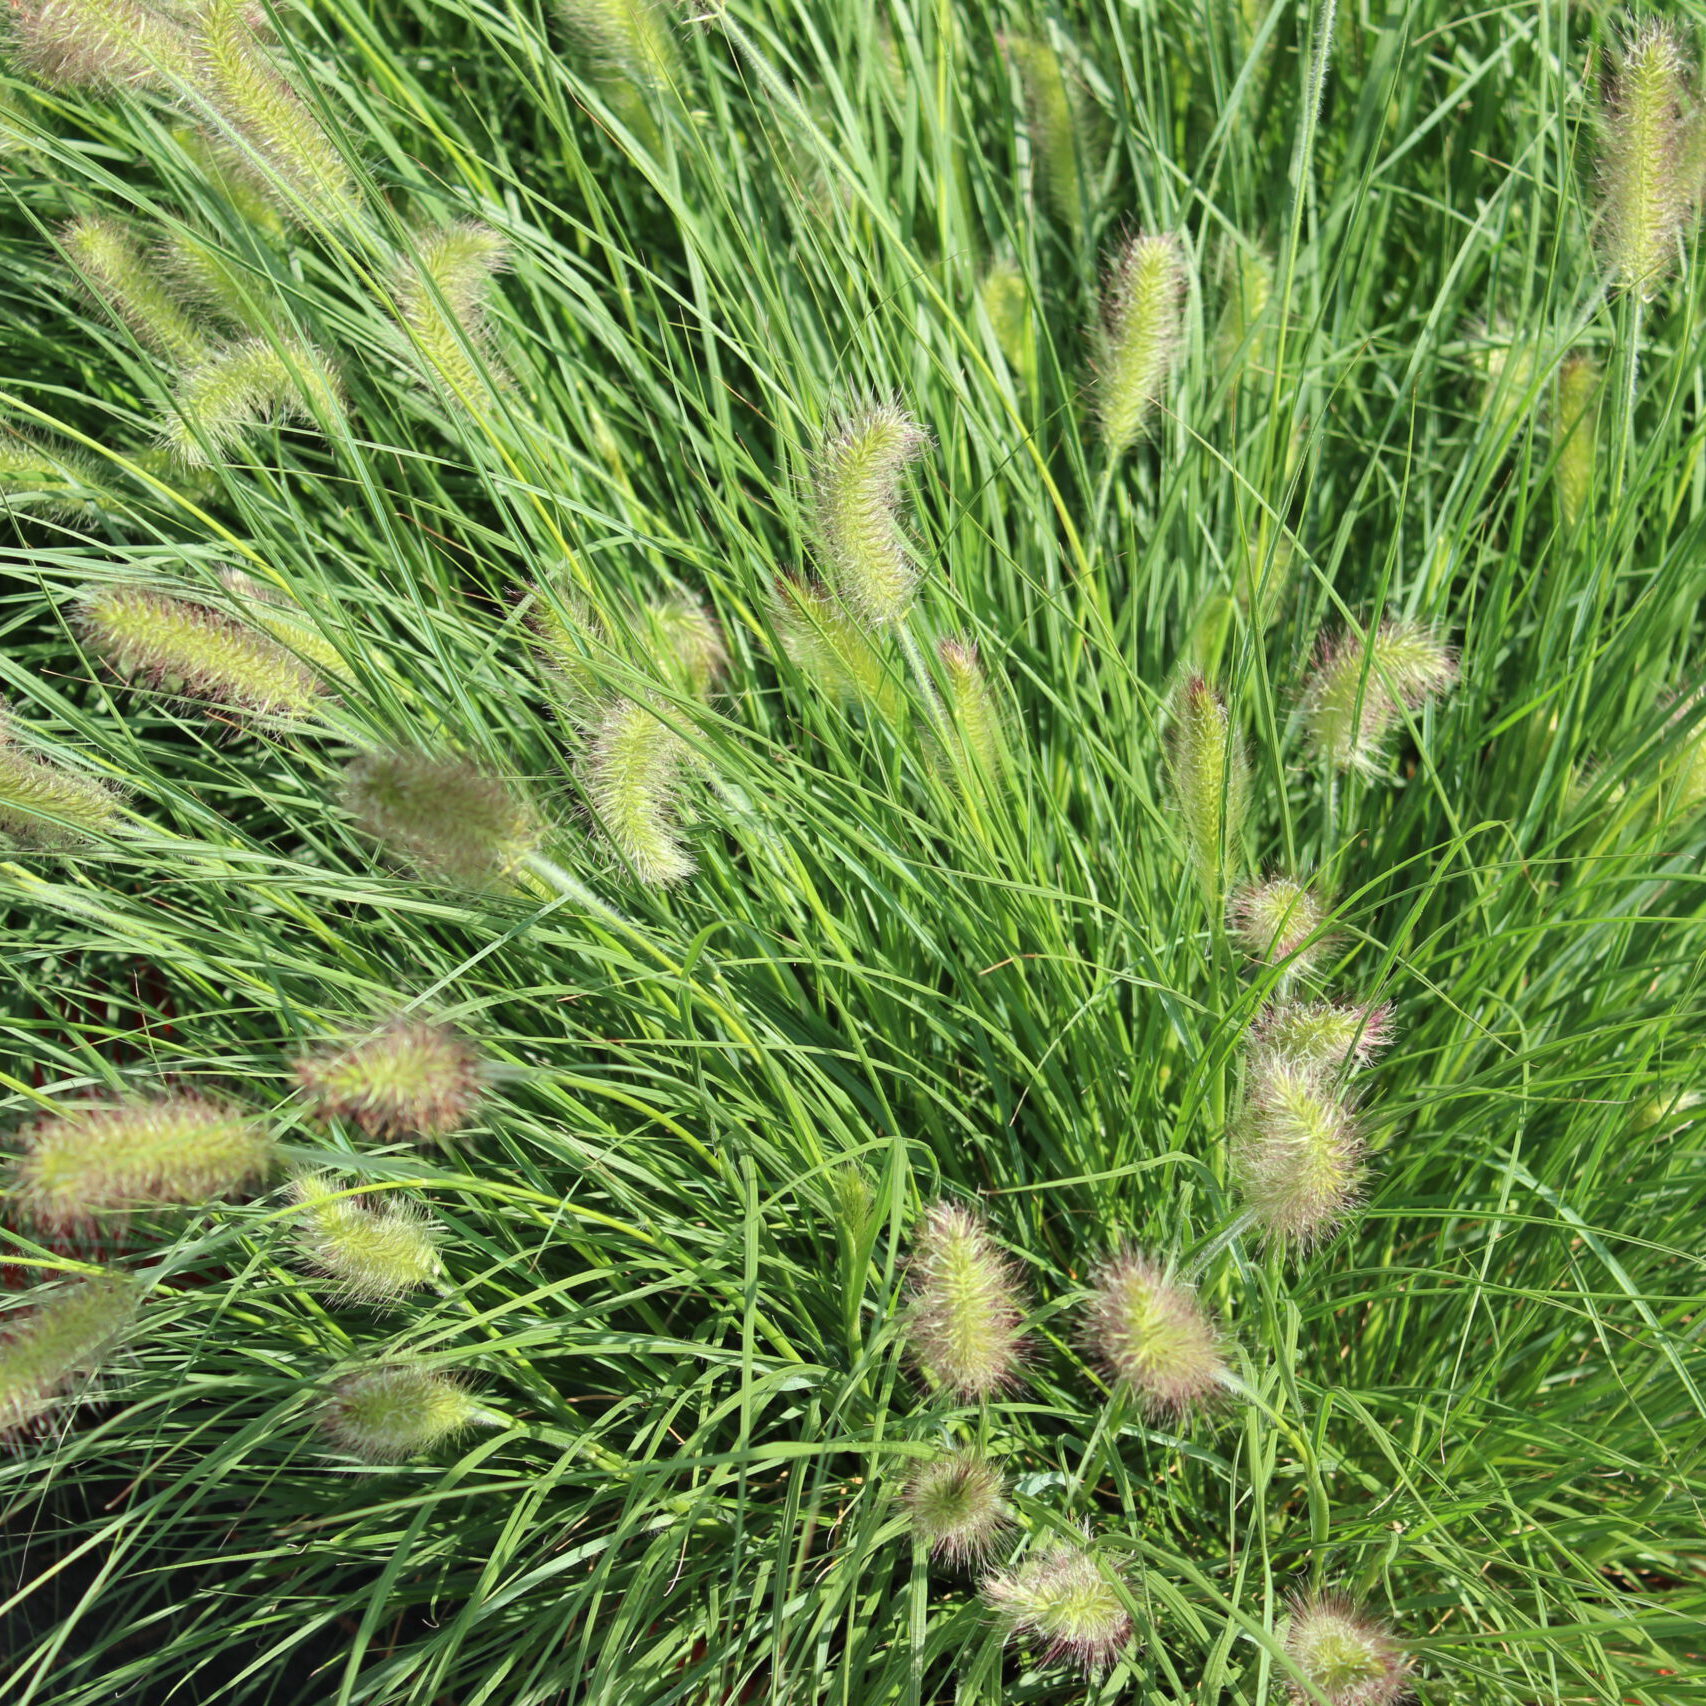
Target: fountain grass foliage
{"x":336,"y":553}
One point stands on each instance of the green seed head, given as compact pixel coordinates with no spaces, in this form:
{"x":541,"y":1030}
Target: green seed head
{"x":413,"y":1078}
{"x":1299,"y":1158}
{"x":683,"y":644}
{"x":630,"y":773}
{"x":100,"y":1161}
{"x":1007,"y":299}
{"x":630,"y":38}
{"x":830,"y":647}
{"x":858,"y":474}
{"x":99,"y":44}
{"x":1360,"y":684}
{"x":1645,"y":193}
{"x":1058,"y":118}
{"x":392,"y":1412}
{"x":1210,"y":777}
{"x":1154,"y":1337}
{"x":127,"y":281}
{"x":202,"y":654}
{"x":44,"y":806}
{"x":441,"y":292}
{"x":1325,"y":1034}
{"x":1349,"y":1657}
{"x":1575,"y":423}
{"x":1062,"y":1597}
{"x":452,"y":822}
{"x":967,"y":1309}
{"x":252,"y":383}
{"x":1279,"y":921}
{"x":957,"y":1509}
{"x":49,"y":480}
{"x":1139,"y":335}
{"x":376,"y":1251}
{"x":48,"y":1345}
{"x":977,"y":731}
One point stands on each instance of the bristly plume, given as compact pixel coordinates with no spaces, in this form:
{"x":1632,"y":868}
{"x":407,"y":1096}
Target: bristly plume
{"x":1299,"y":1157}
{"x":1279,"y":921}
{"x":1344,"y":1654}
{"x":451,"y":821}
{"x":266,"y":119}
{"x":47,"y":479}
{"x":1325,"y":1034}
{"x":1646,"y":198}
{"x":1361,"y":683}
{"x":1057,"y":115}
{"x":626,"y":38}
{"x":630,"y":773}
{"x":201,"y":654}
{"x":1210,"y":776}
{"x":103,"y":1160}
{"x":1138,"y":336}
{"x":283,"y":619}
{"x":683,"y":644}
{"x":45,"y":806}
{"x":1575,"y":430}
{"x":126,"y":281}
{"x":830,"y":647}
{"x":410,"y":1077}
{"x":568,"y":636}
{"x":395,"y":1411}
{"x":857,"y":481}
{"x":376,"y":1251}
{"x":60,"y":1338}
{"x":1008,"y":300}
{"x":252,"y":383}
{"x":964,"y":1326}
{"x":442,"y":289}
{"x":1153,"y":1336}
{"x":976,"y":728}
{"x":99,"y":44}
{"x":957,"y":1508}
{"x":1063,"y":1596}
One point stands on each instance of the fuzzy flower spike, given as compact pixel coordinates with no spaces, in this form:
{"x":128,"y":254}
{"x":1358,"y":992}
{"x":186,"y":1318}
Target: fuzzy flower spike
{"x":1210,"y":775}
{"x":45,"y":806}
{"x":956,"y":1507}
{"x":1344,"y":1654}
{"x":1279,"y":921}
{"x":1139,"y":335}
{"x":1299,"y":1157}
{"x":1646,"y":196}
{"x":1063,"y":1597}
{"x":964,"y":1326}
{"x":46,"y":1349}
{"x":376,"y":1252}
{"x":410,"y":1078}
{"x":391,"y":1412}
{"x":1361,"y":685}
{"x":1154,"y":1337}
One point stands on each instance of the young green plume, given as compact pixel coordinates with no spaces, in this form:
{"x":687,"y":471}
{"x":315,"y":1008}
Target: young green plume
{"x":50,"y":480}
{"x":630,"y":773}
{"x":976,"y":728}
{"x":857,"y":476}
{"x":395,"y":1411}
{"x":1006,"y":296}
{"x":180,"y":647}
{"x":285,"y":621}
{"x":442,"y":288}
{"x":1279,"y":920}
{"x":830,"y":646}
{"x":1299,"y":1156}
{"x":1057,"y":115}
{"x":126,"y":280}
{"x":99,"y":44}
{"x":964,"y":1324}
{"x":99,"y":1160}
{"x":1344,"y":1654}
{"x":449,"y":819}
{"x":45,"y":806}
{"x":376,"y":1251}
{"x":255,"y":382}
{"x":1361,"y":683}
{"x":1210,"y":777}
{"x":1138,"y":336}
{"x":625,"y":38}
{"x":62,"y":1337}
{"x":957,"y":1508}
{"x":1063,"y":1596}
{"x":1575,"y":428}
{"x":1154,"y":1337}
{"x":1646,"y":199}
{"x":410,"y":1077}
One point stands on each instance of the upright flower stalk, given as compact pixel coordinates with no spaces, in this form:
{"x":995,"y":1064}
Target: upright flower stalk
{"x":1646,"y":199}
{"x":1139,"y":336}
{"x":1210,"y":777}
{"x":965,"y":1323}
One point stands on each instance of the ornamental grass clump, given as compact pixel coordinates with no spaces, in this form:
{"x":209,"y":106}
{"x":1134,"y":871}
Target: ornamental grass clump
{"x":1363,"y":683}
{"x":1138,"y":337}
{"x":62,"y":1338}
{"x":93,"y":1164}
{"x":46,"y":807}
{"x":1064,"y":1598}
{"x":1300,"y":1157}
{"x":1153,"y":1337}
{"x":449,"y":819}
{"x":394,"y":1411}
{"x":1344,"y":1654}
{"x":376,"y":1251}
{"x":957,"y":1508}
{"x":408,"y":1078}
{"x":190,"y":650}
{"x":1210,"y":777}
{"x":964,"y":1322}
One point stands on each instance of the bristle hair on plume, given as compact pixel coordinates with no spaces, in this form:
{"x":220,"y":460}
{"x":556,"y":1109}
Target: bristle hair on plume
{"x":857,"y":477}
{"x":180,"y":647}
{"x":451,"y":820}
{"x":376,"y":1252}
{"x":1064,"y":1597}
{"x":100,"y":1161}
{"x":1139,"y":334}
{"x":442,"y":289}
{"x":407,"y":1077}
{"x":1210,"y":776}
{"x":100,"y":45}
{"x":126,"y":281}
{"x":1362,"y":683}
{"x":50,"y":480}
{"x":684,"y":644}
{"x":976,"y":729}
{"x":957,"y":1508}
{"x":255,"y":382}
{"x":1325,"y":1034}
{"x":1279,"y":921}
{"x":1299,"y":1157}
{"x":60,"y":1337}
{"x":46,"y":807}
{"x":1646,"y":199}
{"x":391,"y":1412}
{"x":964,"y":1322}
{"x":284,"y":620}
{"x":1344,"y":1655}
{"x":630,"y":772}
{"x":1153,"y":1337}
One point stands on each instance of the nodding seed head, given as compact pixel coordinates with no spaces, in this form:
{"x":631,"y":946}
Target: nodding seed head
{"x":412,"y":1077}
{"x":964,"y":1325}
{"x":99,"y":44}
{"x":441,"y":291}
{"x":1279,"y":920}
{"x":103,"y":1160}
{"x":62,"y":1337}
{"x":44,"y":806}
{"x":1154,"y":1337}
{"x":251,"y":383}
{"x":1062,"y":1596}
{"x":630,"y":772}
{"x":376,"y":1251}
{"x":1346,"y":1655}
{"x":830,"y":646}
{"x":1139,"y":336}
{"x":1353,"y":699}
{"x":977,"y":731}
{"x":391,"y":1412}
{"x":1299,"y":1158}
{"x":126,"y":281}
{"x":956,"y":1507}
